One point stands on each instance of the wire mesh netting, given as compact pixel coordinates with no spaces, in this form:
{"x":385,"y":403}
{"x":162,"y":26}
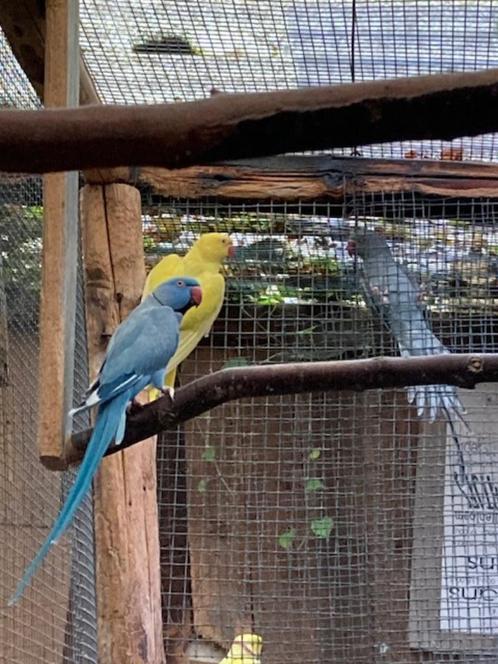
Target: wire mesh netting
{"x":149,"y":51}
{"x":341,"y":527}
{"x":56,"y":620}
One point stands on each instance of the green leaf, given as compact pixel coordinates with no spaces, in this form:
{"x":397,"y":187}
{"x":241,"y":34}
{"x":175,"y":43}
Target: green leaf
{"x":202,"y":486}
{"x":235,"y":362}
{"x":209,"y":454}
{"x":313,"y":485}
{"x":286,"y":538}
{"x":314,"y":454}
{"x":322,"y":527}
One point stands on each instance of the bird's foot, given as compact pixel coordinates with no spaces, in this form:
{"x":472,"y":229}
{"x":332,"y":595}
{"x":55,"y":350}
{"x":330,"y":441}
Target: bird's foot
{"x":170,"y":391}
{"x":133,"y":407}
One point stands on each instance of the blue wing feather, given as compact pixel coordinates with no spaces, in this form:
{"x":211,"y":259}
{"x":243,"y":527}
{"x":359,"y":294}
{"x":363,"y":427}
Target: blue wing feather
{"x":141,"y":343}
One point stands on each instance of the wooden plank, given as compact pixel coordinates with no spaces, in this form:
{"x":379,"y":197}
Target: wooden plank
{"x":289,"y":179}
{"x":24,"y":25}
{"x":321,"y":172}
{"x":441,"y":106}
{"x":4,"y":336}
{"x":364,"y":166}
{"x":128,"y":570}
{"x":60,"y":242}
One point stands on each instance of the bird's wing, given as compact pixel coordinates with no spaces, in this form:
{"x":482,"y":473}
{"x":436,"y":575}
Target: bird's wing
{"x":395,"y":296}
{"x":168,"y":267}
{"x":142,"y":344}
{"x":393,"y":293}
{"x":198,"y":321}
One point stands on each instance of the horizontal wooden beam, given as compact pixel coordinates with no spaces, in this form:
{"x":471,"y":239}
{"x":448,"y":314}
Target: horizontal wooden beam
{"x":304,"y":178}
{"x":250,"y":125}
{"x":267,"y":381}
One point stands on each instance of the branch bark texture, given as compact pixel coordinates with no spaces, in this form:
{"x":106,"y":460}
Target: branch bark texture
{"x":249,"y":125}
{"x":227,"y":385}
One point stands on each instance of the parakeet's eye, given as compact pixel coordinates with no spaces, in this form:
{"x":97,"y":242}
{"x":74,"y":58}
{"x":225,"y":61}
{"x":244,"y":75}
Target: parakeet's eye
{"x":180,"y":283}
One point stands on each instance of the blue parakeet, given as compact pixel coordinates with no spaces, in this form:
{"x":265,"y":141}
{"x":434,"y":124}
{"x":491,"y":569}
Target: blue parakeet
{"x":137,"y":356}
{"x":389,"y":290}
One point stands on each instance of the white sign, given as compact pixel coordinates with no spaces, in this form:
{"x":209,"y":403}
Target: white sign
{"x":469,"y":584}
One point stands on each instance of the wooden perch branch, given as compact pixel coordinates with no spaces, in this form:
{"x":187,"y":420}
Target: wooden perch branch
{"x":250,"y":125}
{"x":261,"y":381}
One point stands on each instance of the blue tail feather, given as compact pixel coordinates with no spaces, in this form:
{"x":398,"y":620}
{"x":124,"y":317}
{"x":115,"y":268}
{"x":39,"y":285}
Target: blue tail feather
{"x":107,"y":425}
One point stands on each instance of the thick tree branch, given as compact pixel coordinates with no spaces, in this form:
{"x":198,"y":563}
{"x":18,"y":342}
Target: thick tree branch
{"x":249,"y":125}
{"x":222,"y":386}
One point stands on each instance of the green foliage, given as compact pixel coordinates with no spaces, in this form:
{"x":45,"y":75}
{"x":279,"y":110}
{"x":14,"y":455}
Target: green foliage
{"x":320,"y":265}
{"x":313,"y":485}
{"x":270,"y":296}
{"x":322,"y":527}
{"x":202,"y":486}
{"x":209,"y":454}
{"x":149,"y":244}
{"x":286,"y":538}
{"x":20,"y":252}
{"x":314,"y":454}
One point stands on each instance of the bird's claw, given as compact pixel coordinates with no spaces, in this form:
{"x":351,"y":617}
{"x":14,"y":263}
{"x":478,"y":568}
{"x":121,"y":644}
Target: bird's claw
{"x":170,"y":391}
{"x":133,"y":406}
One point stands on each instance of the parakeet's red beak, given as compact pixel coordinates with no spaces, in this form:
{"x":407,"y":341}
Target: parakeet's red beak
{"x":351,"y":248}
{"x":231,"y":251}
{"x":196,"y":295}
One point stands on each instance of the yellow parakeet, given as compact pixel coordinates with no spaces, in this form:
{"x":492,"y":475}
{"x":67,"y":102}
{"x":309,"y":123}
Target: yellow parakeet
{"x":203,"y":262}
{"x":245,"y":649}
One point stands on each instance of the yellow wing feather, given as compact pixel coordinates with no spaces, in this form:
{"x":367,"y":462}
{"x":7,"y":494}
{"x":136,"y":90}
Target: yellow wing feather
{"x":169,"y":266}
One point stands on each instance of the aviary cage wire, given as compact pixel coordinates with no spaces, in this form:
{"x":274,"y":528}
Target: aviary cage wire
{"x":332,"y":523}
{"x":147,"y":51}
{"x":328,"y":523}
{"x":56,"y":622}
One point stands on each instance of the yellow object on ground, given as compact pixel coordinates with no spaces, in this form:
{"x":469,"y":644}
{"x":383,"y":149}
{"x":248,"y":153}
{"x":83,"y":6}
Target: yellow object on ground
{"x":204,"y":263}
{"x":245,"y":649}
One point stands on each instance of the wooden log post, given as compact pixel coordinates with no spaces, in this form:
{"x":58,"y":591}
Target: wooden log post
{"x":60,"y":242}
{"x":126,"y":519}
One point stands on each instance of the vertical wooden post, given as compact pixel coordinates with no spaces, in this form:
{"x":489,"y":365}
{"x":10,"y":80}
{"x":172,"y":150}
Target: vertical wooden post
{"x":126,"y":519}
{"x":60,"y":234}
{"x":4,"y":335}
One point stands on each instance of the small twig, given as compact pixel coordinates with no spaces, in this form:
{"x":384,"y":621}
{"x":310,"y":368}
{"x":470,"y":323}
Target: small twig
{"x":261,"y":381}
